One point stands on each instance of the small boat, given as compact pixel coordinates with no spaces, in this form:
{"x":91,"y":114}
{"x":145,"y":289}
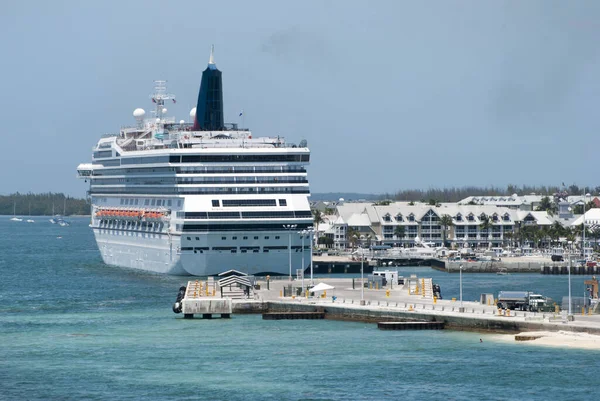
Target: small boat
{"x":15,"y":218}
{"x":502,"y":272}
{"x":61,"y":220}
{"x":30,"y":220}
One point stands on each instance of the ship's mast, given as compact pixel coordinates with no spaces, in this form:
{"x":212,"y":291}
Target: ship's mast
{"x":159,"y":97}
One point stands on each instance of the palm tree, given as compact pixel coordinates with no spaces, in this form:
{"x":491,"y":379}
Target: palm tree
{"x":556,"y":231}
{"x":486,"y":225}
{"x":352,"y":236}
{"x":508,"y":236}
{"x":399,"y":232}
{"x":446,"y":222}
{"x":317,"y":219}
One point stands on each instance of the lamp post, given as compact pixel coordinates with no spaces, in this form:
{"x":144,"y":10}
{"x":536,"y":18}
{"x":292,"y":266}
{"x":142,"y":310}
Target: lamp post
{"x":583,"y":235}
{"x":362,"y":284}
{"x":302,"y":234}
{"x":310,"y":231}
{"x":290,"y":227}
{"x":569,"y":284}
{"x":460,"y":285}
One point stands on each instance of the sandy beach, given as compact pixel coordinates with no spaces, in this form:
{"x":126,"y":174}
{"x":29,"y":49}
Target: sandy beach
{"x":561,"y":339}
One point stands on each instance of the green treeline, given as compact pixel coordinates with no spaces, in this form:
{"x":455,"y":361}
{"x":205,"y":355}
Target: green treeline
{"x":458,"y":194}
{"x":42,"y":204}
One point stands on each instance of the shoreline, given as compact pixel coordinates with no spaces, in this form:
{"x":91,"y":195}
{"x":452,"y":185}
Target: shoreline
{"x":554,"y":339}
{"x":499,"y":329}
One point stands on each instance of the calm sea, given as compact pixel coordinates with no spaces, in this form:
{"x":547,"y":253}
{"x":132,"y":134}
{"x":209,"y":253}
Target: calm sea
{"x":72,"y":328}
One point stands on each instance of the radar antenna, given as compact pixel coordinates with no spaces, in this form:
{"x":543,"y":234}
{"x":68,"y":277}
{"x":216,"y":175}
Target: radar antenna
{"x":159,"y":97}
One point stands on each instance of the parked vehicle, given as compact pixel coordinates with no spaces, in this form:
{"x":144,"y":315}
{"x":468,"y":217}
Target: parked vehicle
{"x":523,"y":300}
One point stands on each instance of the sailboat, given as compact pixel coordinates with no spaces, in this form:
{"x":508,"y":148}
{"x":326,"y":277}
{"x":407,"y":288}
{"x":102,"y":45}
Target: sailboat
{"x":53,"y":219}
{"x":30,"y":220}
{"x":61,"y":220}
{"x":15,"y":218}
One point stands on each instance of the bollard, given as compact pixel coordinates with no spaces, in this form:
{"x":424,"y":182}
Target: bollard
{"x":324,"y":294}
{"x":410,"y":307}
{"x":583,"y":310}
{"x":214,"y":292}
{"x":353,"y":283}
{"x":435,"y":300}
{"x":387,"y":293}
{"x":307,"y":293}
{"x":453,"y":299}
{"x":508,"y":312}
{"x":268,"y":282}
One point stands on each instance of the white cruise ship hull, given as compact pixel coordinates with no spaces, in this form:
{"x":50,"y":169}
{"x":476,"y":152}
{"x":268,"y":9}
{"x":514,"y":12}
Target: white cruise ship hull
{"x":161,"y":253}
{"x":157,"y":253}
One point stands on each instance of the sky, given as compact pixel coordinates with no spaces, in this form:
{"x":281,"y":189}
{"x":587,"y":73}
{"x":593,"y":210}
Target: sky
{"x":389,"y":95}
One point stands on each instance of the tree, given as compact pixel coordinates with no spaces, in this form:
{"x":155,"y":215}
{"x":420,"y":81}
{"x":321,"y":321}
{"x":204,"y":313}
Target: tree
{"x":546,"y":205}
{"x":556,"y":231}
{"x":327,"y":241}
{"x":432,"y":202}
{"x":486,"y":223}
{"x":329,"y":211}
{"x":352,"y":236}
{"x":399,"y":232}
{"x":317,"y":219}
{"x":446,"y":222}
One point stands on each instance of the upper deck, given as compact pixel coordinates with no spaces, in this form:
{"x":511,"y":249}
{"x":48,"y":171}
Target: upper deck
{"x":164,"y":134}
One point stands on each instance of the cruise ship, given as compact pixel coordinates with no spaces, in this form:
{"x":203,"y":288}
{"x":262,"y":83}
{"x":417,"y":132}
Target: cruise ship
{"x":199,"y":197}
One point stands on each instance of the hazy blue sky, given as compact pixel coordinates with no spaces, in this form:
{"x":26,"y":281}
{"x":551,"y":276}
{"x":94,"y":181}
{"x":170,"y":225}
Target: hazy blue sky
{"x":388,"y":94}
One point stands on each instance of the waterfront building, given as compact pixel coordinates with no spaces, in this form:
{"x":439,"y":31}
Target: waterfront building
{"x":400,"y":223}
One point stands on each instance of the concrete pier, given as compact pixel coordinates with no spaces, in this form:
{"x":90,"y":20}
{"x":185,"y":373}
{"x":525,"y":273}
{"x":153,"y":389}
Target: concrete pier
{"x":398,"y":303}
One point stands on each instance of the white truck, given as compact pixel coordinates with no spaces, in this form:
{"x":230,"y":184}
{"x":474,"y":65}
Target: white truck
{"x":523,"y":300}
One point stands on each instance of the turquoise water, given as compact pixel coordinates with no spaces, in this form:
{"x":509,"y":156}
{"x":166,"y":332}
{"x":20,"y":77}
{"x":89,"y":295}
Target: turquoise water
{"x":74,"y":329}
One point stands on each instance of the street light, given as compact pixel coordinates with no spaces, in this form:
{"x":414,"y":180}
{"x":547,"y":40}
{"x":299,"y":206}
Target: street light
{"x":460,"y":284}
{"x":290,"y":227}
{"x":311,"y":231}
{"x":362,"y":284}
{"x":308,"y":232}
{"x":569,"y":284}
{"x":583,"y":236}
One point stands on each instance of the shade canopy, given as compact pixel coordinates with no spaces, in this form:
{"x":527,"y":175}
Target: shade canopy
{"x":321,"y":287}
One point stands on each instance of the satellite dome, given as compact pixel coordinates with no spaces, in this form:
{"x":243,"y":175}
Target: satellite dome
{"x":158,"y":120}
{"x":164,"y":110}
{"x":138,"y":113}
{"x":181,"y":122}
{"x":193,"y":113}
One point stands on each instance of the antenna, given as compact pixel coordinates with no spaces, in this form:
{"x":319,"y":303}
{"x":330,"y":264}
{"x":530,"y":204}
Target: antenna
{"x":159,"y":96}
